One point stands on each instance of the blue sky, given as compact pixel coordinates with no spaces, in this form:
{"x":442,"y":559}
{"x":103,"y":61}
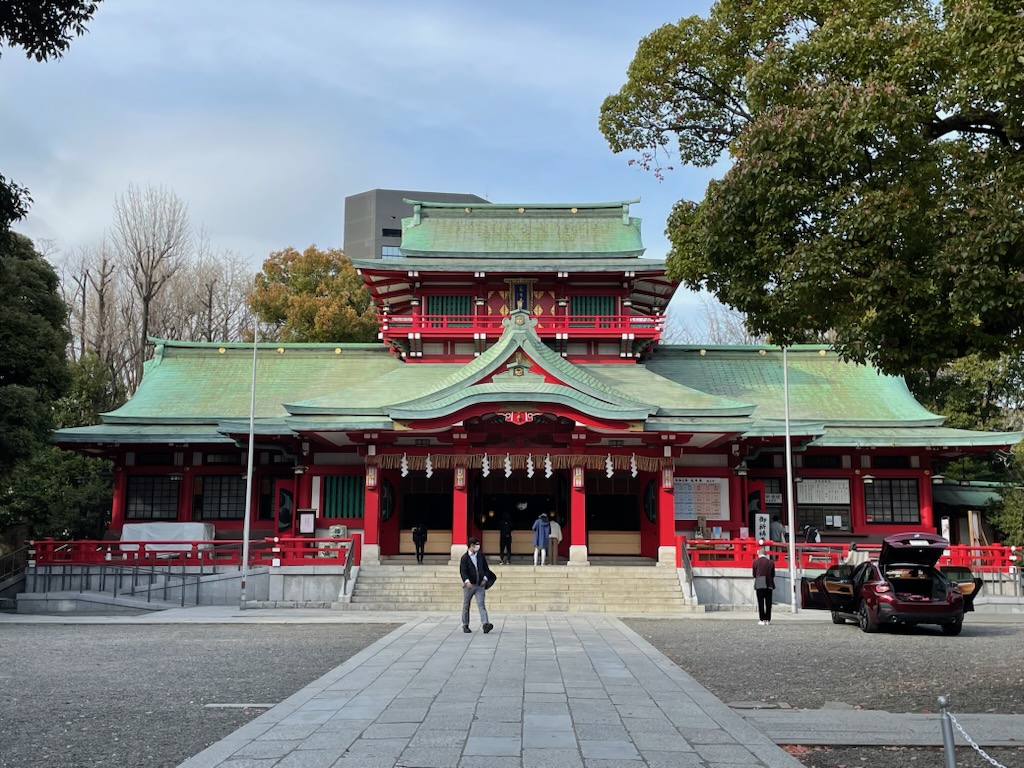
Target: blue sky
{"x":264,"y":115}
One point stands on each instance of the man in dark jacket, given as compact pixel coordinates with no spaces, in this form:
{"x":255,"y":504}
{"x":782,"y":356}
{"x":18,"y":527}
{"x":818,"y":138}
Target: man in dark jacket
{"x":764,"y":584}
{"x":505,"y":540}
{"x":419,"y":539}
{"x":475,"y":574}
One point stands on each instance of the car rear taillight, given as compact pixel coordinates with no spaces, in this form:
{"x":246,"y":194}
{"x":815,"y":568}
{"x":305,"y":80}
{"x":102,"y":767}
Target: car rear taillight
{"x":882,"y":588}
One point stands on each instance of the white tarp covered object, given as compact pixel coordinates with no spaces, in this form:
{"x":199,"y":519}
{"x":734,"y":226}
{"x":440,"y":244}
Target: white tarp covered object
{"x":186,"y":533}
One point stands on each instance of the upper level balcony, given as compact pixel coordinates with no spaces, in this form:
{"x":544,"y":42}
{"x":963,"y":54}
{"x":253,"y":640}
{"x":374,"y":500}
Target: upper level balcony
{"x":569,"y":327}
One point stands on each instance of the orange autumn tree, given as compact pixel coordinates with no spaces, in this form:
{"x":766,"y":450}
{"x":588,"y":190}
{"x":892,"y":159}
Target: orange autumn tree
{"x":313,"y":296}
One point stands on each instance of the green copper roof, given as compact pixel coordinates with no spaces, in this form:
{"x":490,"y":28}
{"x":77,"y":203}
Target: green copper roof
{"x":190,"y":382}
{"x":196,"y":392}
{"x":821,"y":386}
{"x":512,"y":263}
{"x":898,"y":437}
{"x":965,"y":496}
{"x":489,"y":230}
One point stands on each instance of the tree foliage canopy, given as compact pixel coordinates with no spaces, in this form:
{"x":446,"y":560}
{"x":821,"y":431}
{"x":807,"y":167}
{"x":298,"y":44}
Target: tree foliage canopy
{"x":876,"y":189}
{"x":33,"y":337}
{"x":314,"y":296}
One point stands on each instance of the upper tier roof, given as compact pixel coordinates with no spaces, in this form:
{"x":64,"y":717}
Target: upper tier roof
{"x":521,"y":231}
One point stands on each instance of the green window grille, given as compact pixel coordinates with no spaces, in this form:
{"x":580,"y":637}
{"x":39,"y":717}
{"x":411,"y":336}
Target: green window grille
{"x":449,"y":306}
{"x":343,"y":496}
{"x":591,"y":306}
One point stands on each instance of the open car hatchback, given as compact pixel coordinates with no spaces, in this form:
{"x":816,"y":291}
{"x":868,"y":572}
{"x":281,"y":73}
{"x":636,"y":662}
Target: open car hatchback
{"x":903,"y":586}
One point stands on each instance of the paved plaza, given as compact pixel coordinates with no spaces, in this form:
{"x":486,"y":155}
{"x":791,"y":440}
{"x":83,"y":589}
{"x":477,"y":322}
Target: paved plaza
{"x":540,"y":690}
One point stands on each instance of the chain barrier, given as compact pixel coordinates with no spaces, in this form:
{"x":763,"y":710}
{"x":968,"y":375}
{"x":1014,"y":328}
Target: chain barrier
{"x":947,"y":737}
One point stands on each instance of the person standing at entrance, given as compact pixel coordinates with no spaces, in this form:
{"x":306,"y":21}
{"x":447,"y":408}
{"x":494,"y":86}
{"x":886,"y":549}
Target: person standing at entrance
{"x":419,"y":539}
{"x":475,"y":575}
{"x":554,"y":539}
{"x":505,"y":540}
{"x":764,"y":585}
{"x":776,"y":531}
{"x":541,"y":533}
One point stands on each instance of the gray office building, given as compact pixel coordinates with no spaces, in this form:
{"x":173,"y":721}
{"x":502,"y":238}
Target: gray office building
{"x":373,"y":220}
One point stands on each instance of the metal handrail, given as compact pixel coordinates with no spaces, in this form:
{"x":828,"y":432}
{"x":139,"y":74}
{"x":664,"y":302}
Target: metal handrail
{"x":13,"y":563}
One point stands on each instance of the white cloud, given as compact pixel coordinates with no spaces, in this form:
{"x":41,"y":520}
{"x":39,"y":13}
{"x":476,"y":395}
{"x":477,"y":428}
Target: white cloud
{"x":264,"y":115}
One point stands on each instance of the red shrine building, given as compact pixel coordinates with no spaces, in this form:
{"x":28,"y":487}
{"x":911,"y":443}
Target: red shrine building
{"x":520,"y":371}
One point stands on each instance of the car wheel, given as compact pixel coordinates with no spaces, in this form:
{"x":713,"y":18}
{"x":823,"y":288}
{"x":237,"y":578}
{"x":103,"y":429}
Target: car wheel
{"x":952,"y":629}
{"x":837,"y":619}
{"x":867,"y":624}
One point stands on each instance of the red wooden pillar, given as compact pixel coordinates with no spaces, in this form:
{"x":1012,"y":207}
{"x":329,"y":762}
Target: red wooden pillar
{"x":371,"y":518}
{"x":117,"y":506}
{"x":666,"y":516}
{"x":460,"y":516}
{"x":738,"y":514}
{"x":924,"y":485}
{"x":858,"y":519}
{"x":578,"y":517}
{"x":185,"y":496}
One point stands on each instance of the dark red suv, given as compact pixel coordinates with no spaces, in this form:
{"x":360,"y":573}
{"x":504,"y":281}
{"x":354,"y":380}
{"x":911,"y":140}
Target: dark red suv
{"x":902,"y":587}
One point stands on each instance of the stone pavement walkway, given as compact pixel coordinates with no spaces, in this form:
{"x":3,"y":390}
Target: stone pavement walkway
{"x":865,"y":727}
{"x":540,"y":691}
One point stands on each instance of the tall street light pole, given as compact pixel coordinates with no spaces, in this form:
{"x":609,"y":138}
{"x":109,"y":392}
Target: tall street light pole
{"x":249,"y":465}
{"x":790,"y":488}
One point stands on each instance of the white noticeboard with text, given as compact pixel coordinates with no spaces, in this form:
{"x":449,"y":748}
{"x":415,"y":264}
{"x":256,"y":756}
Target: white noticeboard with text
{"x":761,"y":529}
{"x":706,"y":497}
{"x":819,"y":491}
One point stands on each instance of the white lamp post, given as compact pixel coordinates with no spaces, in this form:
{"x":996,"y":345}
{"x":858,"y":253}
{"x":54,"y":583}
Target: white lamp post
{"x":790,"y":488}
{"x":248,"y":469}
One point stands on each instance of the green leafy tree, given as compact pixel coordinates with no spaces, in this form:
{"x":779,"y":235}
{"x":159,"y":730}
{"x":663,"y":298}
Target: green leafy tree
{"x":44,"y":29}
{"x":59,"y":493}
{"x":33,"y":338}
{"x":314,"y":296}
{"x":877,"y":163}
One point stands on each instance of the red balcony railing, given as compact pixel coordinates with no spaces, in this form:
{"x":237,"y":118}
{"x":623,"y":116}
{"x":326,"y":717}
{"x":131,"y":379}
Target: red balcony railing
{"x":590,"y":326}
{"x":271,"y":551}
{"x":740,"y":553}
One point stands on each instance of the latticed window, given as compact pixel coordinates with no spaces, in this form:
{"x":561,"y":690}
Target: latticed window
{"x":218,"y":497}
{"x":343,"y":496}
{"x":151,"y":497}
{"x":592,"y":306}
{"x":451,"y":306}
{"x":892,"y":501}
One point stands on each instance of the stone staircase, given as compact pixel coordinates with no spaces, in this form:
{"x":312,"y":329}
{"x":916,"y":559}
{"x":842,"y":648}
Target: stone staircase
{"x":620,"y":589}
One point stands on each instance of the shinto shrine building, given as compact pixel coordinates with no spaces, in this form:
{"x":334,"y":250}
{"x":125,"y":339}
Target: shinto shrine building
{"x":520,"y":370}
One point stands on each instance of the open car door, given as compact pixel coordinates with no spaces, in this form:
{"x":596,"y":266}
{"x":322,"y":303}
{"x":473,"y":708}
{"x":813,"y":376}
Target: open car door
{"x":810,"y":595}
{"x":968,"y":584}
{"x":836,"y":588}
{"x":827,"y":592}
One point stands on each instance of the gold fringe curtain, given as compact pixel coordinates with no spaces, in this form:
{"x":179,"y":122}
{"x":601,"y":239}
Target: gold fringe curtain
{"x":620,"y":462}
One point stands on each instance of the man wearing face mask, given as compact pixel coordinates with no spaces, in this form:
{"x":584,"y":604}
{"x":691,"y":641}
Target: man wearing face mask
{"x":475,"y":575}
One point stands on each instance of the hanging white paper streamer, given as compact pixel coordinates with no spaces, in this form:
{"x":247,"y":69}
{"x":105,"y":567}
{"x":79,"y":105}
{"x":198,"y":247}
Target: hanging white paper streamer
{"x":508,"y":465}
{"x":404,"y":465}
{"x":529,"y":465}
{"x":609,"y":470}
{"x":485,"y":466}
{"x":632,"y":465}
{"x":548,"y":471}
{"x":429,"y":466}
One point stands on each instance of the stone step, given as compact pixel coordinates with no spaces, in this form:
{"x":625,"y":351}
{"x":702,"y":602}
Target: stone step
{"x":524,"y":589}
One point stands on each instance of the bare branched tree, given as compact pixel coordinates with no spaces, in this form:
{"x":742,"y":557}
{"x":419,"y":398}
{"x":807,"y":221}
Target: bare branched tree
{"x":152,"y":235}
{"x":712,"y":323}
